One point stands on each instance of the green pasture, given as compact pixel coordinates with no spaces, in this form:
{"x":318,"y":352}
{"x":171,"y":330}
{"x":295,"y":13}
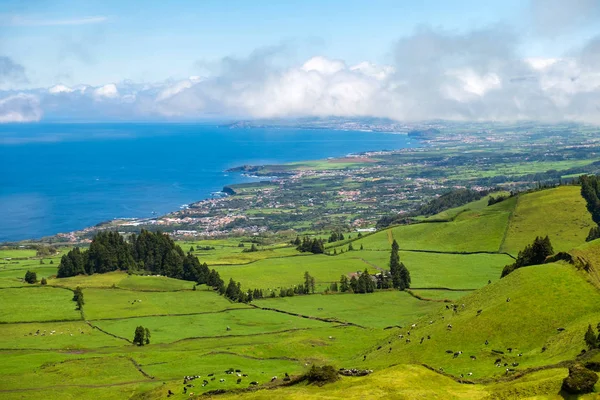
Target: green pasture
{"x":559,"y":213}
{"x":127,"y":303}
{"x":241,"y":322}
{"x":540,"y":298}
{"x":286,"y":272}
{"x":54,"y":336}
{"x":119,"y":279}
{"x":439,"y":270}
{"x":376,"y":310}
{"x":37,"y":303}
{"x":470,"y":231}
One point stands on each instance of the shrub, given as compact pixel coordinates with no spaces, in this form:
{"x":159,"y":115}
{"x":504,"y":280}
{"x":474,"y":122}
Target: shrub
{"x":322,"y":375}
{"x":44,"y":282}
{"x":30,"y":277}
{"x":580,"y":380}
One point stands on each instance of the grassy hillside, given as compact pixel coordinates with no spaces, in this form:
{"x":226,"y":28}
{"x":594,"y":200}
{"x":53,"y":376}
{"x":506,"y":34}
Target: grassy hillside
{"x":559,"y":213}
{"x":50,"y":350}
{"x":542,"y":299}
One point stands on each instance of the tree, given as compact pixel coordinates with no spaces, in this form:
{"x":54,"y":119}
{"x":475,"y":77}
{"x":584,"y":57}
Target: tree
{"x":361,"y":247}
{"x":30,"y":277}
{"x":43,"y":281}
{"x":354,"y":284}
{"x":344,"y":284}
{"x":191,"y":249}
{"x":141,"y":336}
{"x":78,"y":297}
{"x":308,"y":282}
{"x":404,"y":277}
{"x":533,"y":254}
{"x":590,"y":338}
{"x":333,"y":287}
{"x":350,"y":247}
{"x":395,"y":265}
{"x":590,"y":191}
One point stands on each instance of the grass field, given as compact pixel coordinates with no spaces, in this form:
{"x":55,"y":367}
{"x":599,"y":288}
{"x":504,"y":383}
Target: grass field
{"x":470,"y":231}
{"x":542,"y":298}
{"x":126,"y":303}
{"x":241,"y":322}
{"x":361,"y":309}
{"x":289,"y":271}
{"x":37,"y":303}
{"x":559,"y":213}
{"x":48,"y":351}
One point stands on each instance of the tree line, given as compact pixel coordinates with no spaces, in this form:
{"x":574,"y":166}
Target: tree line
{"x":590,"y":191}
{"x":532,"y":254}
{"x":155,"y":253}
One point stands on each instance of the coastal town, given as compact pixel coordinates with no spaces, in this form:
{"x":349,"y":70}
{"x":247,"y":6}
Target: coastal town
{"x":356,"y":191}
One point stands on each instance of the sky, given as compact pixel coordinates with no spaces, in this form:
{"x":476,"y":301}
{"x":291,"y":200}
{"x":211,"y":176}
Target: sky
{"x":405,"y":60}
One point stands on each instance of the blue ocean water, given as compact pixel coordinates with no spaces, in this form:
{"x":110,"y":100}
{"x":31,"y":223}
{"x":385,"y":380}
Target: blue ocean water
{"x":62,"y":177}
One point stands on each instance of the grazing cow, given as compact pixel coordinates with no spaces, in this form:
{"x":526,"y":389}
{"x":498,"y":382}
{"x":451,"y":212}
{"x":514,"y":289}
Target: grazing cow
{"x":379,"y":348}
{"x":407,"y":340}
{"x":239,"y":380}
{"x":401,"y":336}
{"x":390,"y":350}
{"x":509,"y":349}
{"x":470,"y":373}
{"x":520,"y":354}
{"x":413,"y":326}
{"x":254,"y":383}
{"x":456,"y":354}
{"x":204,"y":382}
{"x":428,"y":337}
{"x":211,"y":374}
{"x":543,"y":349}
{"x":273,"y":379}
{"x":473,"y":358}
{"x":515,"y":364}
{"x":508,"y":299}
{"x":423,"y":338}
{"x":498,"y":361}
{"x":221,"y":380}
{"x":486,"y":342}
{"x":238,"y":370}
{"x":184,"y":390}
{"x":449,"y":326}
{"x":449,"y":351}
{"x":170,"y":393}
{"x":228,"y":328}
{"x":244,"y":375}
{"x":364,"y":357}
{"x":560,"y":329}
{"x":479,"y":312}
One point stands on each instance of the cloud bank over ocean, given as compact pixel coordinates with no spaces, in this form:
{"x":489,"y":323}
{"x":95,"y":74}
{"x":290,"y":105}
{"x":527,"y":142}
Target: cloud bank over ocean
{"x":434,"y":74}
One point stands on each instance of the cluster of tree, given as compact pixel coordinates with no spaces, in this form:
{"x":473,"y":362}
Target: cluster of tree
{"x":591,"y":338}
{"x":30,"y":277}
{"x":335,"y":236}
{"x":321,"y":375}
{"x":455,"y":198}
{"x":498,"y":199}
{"x":234,"y":292}
{"x":315,"y":246}
{"x":398,"y":271}
{"x":364,"y":283}
{"x":532,"y":254}
{"x":202,"y":248}
{"x":44,"y":251}
{"x":252,"y":249}
{"x":590,"y":191}
{"x":78,"y":297}
{"x":141,"y":336}
{"x":153,"y":252}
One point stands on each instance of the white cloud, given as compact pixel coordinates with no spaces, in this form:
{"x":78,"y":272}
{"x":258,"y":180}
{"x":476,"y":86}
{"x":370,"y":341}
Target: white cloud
{"x":476,"y":75}
{"x":20,"y":107}
{"x":60,"y":89}
{"x":109,"y":91}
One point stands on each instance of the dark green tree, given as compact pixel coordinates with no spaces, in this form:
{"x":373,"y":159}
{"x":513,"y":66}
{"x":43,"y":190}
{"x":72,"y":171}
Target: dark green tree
{"x":43,"y":281}
{"x":141,"y":336}
{"x":354,"y":283}
{"x":590,"y":338}
{"x":533,"y":254}
{"x":344,"y":284}
{"x":590,"y":191}
{"x":30,"y":277}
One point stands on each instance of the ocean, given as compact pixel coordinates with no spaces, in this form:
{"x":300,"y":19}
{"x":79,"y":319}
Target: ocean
{"x":63,"y":177}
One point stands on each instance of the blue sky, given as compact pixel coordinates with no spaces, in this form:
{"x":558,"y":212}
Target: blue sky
{"x":95,"y":42}
{"x":400,"y":59}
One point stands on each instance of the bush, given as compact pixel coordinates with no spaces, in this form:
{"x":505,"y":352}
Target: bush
{"x":44,"y":282}
{"x":580,"y":380}
{"x":30,"y":277}
{"x":322,"y":375}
